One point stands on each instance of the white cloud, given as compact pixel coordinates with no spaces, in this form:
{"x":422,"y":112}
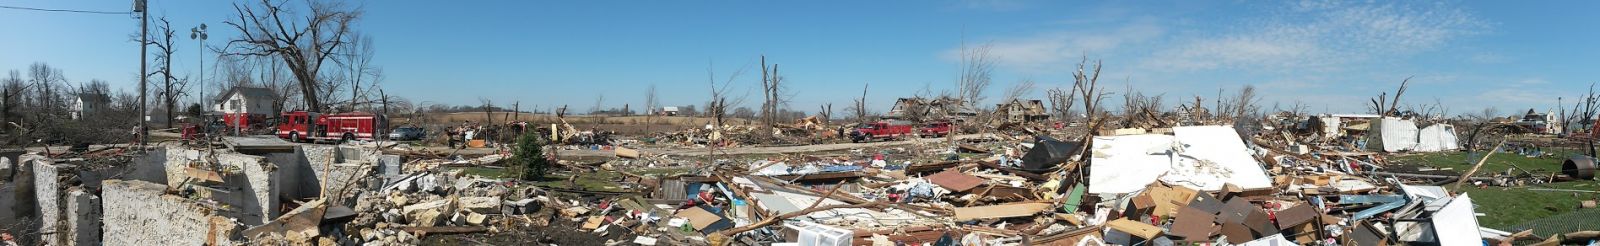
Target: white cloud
{"x":1514,"y":95}
{"x":1532,"y":81}
{"x":1323,"y":35}
{"x":1488,"y":58}
{"x":1055,"y":50}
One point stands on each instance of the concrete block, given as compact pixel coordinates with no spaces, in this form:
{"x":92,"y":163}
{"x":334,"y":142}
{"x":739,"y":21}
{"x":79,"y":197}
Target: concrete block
{"x":441,"y":205}
{"x":83,"y":218}
{"x":430,"y":217}
{"x":476,"y":218}
{"x":480,"y":204}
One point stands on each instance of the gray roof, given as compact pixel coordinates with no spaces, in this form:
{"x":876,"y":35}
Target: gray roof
{"x":94,"y":97}
{"x":249,"y":92}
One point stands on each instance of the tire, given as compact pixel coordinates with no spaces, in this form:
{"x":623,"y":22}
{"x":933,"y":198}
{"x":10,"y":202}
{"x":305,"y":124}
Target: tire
{"x":347,"y":138}
{"x":294,"y":137}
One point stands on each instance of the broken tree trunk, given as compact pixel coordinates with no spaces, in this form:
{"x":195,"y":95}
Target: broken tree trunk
{"x":1475,"y":167}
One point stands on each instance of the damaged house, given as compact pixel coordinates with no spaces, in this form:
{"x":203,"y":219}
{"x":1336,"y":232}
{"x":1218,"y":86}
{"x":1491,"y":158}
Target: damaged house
{"x":918,"y":108}
{"x":1021,"y":111}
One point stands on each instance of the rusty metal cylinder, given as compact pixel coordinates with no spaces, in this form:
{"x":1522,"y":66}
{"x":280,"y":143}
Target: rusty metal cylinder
{"x":1579,"y":167}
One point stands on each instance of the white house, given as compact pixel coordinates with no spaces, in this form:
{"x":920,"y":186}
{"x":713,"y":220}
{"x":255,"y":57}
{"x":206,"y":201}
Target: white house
{"x":246,"y":100}
{"x":669,"y":111}
{"x":89,"y":103}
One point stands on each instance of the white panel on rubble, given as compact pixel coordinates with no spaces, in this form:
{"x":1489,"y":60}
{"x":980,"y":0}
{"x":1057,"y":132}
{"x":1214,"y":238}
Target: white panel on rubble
{"x":1331,"y":126}
{"x":1221,"y":146}
{"x":1457,"y":223}
{"x":1438,"y":137}
{"x":1392,"y":135}
{"x":1274,"y":240}
{"x":1125,"y":164}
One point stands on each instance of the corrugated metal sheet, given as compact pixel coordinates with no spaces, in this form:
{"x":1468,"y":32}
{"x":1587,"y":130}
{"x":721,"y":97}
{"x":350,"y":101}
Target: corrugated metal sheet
{"x":672,"y":189}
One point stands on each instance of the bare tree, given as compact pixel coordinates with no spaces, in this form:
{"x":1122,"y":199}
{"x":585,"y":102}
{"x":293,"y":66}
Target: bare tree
{"x":1087,"y":84}
{"x":358,"y":61}
{"x":1391,"y":109}
{"x":651,"y":103}
{"x":270,"y":28}
{"x":1243,"y":104}
{"x":1061,"y":101}
{"x":47,"y":80}
{"x":13,"y":89}
{"x":1018,"y":90}
{"x":171,"y":88}
{"x":977,"y":66}
{"x":825,"y":112}
{"x":599,"y":104}
{"x":772,"y":89}
{"x":1140,"y":110}
{"x":860,"y":106}
{"x":1583,"y":111}
{"x":717,"y":108}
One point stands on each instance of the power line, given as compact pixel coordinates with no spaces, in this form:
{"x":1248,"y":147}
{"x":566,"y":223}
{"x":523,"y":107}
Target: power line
{"x":65,"y":10}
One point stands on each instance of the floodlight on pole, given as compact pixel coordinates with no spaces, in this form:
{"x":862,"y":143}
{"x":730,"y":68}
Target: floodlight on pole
{"x":199,"y":33}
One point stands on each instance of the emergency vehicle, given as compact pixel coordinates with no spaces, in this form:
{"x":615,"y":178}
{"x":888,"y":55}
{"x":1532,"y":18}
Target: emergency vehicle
{"x":302,"y":126}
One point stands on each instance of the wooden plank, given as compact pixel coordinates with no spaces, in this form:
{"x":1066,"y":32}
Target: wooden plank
{"x":1000,"y":211}
{"x":200,"y":174}
{"x":954,"y":180}
{"x":1135,"y":228}
{"x":626,"y":152}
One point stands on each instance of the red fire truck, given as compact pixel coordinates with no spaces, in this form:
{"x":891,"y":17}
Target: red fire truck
{"x":302,"y":126}
{"x":880,"y":130}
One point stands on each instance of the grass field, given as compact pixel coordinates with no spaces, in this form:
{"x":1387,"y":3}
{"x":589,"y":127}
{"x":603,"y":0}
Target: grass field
{"x":1505,"y":207}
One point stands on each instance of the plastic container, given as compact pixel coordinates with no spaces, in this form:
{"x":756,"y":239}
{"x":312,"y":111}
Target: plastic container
{"x":813,"y":234}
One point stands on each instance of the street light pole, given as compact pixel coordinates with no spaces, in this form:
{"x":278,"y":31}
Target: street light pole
{"x":144,"y":77}
{"x":200,"y":34}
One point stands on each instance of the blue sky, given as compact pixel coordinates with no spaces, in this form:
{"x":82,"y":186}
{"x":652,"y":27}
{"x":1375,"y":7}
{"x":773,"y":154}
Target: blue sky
{"x":1332,"y":56}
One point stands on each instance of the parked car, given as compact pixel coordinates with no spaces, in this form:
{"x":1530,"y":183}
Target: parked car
{"x":407,"y":133}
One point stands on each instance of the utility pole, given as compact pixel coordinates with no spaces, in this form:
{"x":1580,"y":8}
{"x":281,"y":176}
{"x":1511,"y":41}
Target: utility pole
{"x":200,"y":34}
{"x":144,"y":78}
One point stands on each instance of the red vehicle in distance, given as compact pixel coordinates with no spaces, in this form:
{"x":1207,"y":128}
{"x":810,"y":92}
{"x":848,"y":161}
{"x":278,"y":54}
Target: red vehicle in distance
{"x":934,"y":129}
{"x":881,"y":130}
{"x":302,"y":126}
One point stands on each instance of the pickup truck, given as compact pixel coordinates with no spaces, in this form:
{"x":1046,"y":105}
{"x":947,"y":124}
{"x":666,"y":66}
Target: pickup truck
{"x":880,"y":130}
{"x":935,"y":129}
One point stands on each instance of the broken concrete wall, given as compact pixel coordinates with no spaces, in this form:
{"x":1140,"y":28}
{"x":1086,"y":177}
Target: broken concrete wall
{"x":257,"y":201}
{"x":24,"y":207}
{"x":296,"y":180}
{"x":142,"y":214}
{"x":251,"y":184}
{"x":83,"y":218}
{"x":47,"y":191}
{"x":303,"y":172}
{"x":8,"y":215}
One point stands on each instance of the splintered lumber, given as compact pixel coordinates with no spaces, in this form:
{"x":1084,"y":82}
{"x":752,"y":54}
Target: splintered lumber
{"x":1475,"y":167}
{"x":1001,"y":211}
{"x":809,"y":209}
{"x":427,"y":230}
{"x":1135,"y":228}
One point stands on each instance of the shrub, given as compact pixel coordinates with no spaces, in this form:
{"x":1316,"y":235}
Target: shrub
{"x":528,"y":156}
